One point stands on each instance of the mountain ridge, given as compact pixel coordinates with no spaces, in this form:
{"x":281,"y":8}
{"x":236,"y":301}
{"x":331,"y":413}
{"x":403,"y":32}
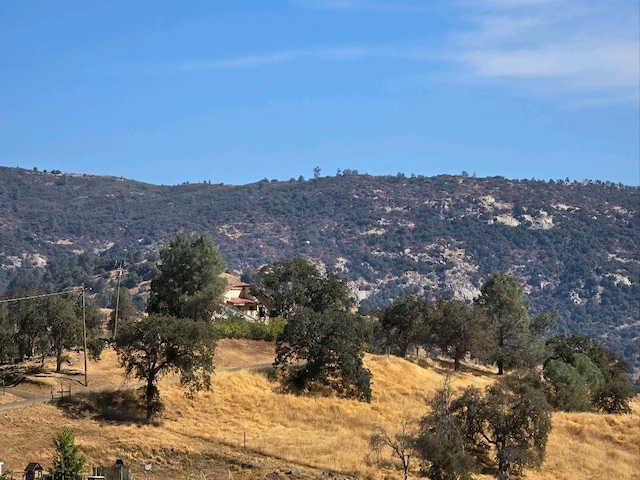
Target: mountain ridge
{"x":573,"y":245}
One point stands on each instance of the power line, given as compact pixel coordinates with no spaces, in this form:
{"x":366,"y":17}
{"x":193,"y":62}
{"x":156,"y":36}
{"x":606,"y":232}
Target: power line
{"x":7,"y":300}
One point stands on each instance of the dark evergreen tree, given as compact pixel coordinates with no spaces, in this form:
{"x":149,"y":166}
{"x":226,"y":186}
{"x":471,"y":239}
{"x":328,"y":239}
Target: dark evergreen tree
{"x":188,"y":284}
{"x":511,"y":338}
{"x":68,"y":462}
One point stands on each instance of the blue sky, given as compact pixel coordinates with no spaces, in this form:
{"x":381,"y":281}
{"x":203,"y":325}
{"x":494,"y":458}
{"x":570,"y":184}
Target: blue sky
{"x":168,"y":92}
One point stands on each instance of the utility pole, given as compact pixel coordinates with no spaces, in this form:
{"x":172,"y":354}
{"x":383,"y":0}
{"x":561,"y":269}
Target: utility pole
{"x":115,"y":319}
{"x":84,"y":334}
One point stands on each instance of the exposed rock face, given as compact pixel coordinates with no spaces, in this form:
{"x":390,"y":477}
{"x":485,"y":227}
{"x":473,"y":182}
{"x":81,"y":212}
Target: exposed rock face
{"x":543,"y":221}
{"x":574,"y":246}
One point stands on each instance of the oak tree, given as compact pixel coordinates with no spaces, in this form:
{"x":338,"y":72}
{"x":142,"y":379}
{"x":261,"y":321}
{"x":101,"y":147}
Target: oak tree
{"x":454,"y":329}
{"x":406,"y":323}
{"x":296,"y":283}
{"x":157,"y":345}
{"x":8,"y":349}
{"x":30,"y":322}
{"x":123,"y":301}
{"x":330,"y":346}
{"x":585,"y":375}
{"x":403,"y":444}
{"x":511,"y":421}
{"x":440,"y":442}
{"x":64,"y":326}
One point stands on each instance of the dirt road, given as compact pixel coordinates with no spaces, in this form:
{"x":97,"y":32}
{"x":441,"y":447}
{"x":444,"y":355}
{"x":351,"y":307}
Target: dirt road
{"x":28,"y":398}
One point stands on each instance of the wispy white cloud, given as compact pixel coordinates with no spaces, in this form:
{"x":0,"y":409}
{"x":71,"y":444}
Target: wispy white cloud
{"x":569,"y":48}
{"x":245,"y":61}
{"x":585,"y":52}
{"x":339,"y":53}
{"x":584,"y":64}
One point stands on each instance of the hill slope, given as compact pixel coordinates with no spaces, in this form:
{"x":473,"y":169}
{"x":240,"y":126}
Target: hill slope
{"x":246,"y":426}
{"x":575,"y":246}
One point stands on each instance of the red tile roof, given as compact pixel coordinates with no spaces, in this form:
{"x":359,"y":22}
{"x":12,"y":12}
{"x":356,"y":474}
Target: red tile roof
{"x":241,"y":301}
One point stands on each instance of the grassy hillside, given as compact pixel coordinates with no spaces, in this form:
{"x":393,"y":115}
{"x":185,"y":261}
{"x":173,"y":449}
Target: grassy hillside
{"x":245,"y":426}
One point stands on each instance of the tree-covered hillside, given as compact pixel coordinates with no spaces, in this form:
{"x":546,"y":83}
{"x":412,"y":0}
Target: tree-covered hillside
{"x":575,"y":245}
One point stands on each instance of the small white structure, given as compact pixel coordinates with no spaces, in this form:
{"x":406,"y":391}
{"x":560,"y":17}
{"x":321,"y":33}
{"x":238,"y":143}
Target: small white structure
{"x":1,"y":463}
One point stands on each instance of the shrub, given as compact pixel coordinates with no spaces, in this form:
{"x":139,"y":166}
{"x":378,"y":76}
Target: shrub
{"x":240,"y":328}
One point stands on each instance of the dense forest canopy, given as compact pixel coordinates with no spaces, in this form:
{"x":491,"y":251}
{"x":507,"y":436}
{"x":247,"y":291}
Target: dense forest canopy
{"x":573,"y":245}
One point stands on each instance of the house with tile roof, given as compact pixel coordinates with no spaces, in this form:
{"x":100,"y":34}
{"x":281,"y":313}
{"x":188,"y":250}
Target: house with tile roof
{"x":239,"y":296}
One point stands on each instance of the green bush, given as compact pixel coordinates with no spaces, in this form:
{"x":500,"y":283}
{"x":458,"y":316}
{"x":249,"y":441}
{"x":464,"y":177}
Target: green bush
{"x":240,"y":328}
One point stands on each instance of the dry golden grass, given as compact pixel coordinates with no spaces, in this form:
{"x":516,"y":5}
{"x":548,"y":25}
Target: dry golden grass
{"x":286,"y":431}
{"x":241,"y":353}
{"x":593,"y":446}
{"x":8,"y":398}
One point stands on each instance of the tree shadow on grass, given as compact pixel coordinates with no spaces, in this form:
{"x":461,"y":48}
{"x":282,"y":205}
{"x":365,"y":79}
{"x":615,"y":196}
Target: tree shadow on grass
{"x":118,"y":406}
{"x":445,"y":366}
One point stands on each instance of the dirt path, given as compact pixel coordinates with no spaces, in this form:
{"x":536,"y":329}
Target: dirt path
{"x":231,"y":356}
{"x":28,"y":398}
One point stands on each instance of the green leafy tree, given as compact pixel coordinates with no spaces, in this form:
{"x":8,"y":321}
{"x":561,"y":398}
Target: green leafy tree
{"x":188,"y":284}
{"x":67,"y":459}
{"x":614,"y":395}
{"x":603,"y":372}
{"x":511,"y":338}
{"x":405,"y":323}
{"x":295,"y":283}
{"x":331,"y":346}
{"x":93,"y":316}
{"x":331,"y":293}
{"x":64,"y":326}
{"x":157,"y":345}
{"x":30,"y":322}
{"x":512,"y":419}
{"x":569,"y":390}
{"x":454,"y":329}
{"x":8,"y":349}
{"x":440,"y":442}
{"x":45,"y":324}
{"x":320,"y":331}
